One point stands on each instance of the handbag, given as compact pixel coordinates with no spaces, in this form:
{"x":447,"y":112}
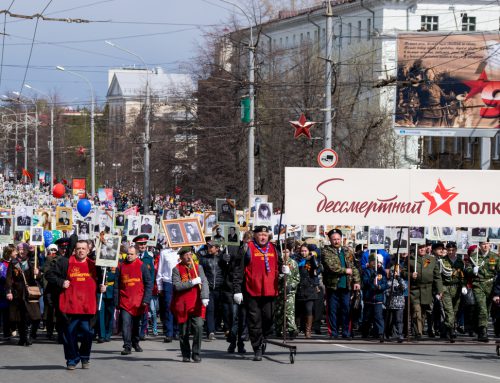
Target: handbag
{"x":33,"y":292}
{"x":468,"y":298}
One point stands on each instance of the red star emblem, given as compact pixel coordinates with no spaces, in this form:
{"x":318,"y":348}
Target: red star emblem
{"x":302,"y":127}
{"x":476,"y":86}
{"x":440,"y":199}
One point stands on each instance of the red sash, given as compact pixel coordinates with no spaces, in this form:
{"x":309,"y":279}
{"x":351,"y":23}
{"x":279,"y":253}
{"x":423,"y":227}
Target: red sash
{"x":131,"y":287}
{"x":80,"y":296}
{"x":187,"y":303}
{"x":259,"y":282}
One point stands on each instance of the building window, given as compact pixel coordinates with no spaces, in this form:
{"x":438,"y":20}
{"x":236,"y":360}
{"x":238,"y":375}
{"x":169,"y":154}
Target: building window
{"x":286,"y":42}
{"x":359,"y":30}
{"x":308,"y":36}
{"x":429,"y":23}
{"x":468,"y":23}
{"x":368,"y":29}
{"x":294,"y":41}
{"x":315,"y":35}
{"x":281,"y":42}
{"x":349,"y":30}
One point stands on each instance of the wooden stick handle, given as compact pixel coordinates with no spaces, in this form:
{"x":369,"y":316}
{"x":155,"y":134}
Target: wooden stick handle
{"x":195,"y":272}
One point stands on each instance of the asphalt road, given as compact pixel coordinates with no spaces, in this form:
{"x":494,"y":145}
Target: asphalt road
{"x":317,"y":361}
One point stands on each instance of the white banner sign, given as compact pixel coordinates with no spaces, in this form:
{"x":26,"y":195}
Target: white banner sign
{"x":392,"y":197}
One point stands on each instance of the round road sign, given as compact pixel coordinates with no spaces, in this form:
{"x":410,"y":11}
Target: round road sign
{"x":328,"y":158}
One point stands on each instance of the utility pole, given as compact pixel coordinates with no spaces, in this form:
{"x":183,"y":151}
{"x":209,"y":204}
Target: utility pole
{"x":251,"y":95}
{"x":328,"y":77}
{"x":36,"y":144}
{"x":251,"y":129}
{"x":25,"y":141}
{"x":52,"y":143}
{"x":146,"y":147}
{"x":15,"y":153}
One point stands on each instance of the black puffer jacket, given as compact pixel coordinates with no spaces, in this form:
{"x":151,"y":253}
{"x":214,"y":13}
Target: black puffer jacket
{"x":213,"y":272}
{"x":309,"y":282}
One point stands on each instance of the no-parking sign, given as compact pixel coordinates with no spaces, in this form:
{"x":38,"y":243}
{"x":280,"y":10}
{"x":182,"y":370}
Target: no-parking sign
{"x":328,"y":158}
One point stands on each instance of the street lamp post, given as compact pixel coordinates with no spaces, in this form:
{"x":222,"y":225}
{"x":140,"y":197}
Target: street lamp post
{"x":116,"y":166}
{"x":26,"y":135}
{"x":15,"y":143}
{"x":51,"y":130}
{"x":92,"y":140}
{"x":251,"y":95}
{"x":147,"y":193}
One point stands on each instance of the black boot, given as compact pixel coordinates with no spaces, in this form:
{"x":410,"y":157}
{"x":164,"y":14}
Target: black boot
{"x":257,"y":354}
{"x":21,"y":327}
{"x":34,"y":329}
{"x":482,"y":335}
{"x":29,"y":340}
{"x":449,"y":335}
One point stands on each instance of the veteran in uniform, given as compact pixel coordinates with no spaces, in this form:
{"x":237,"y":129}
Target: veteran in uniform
{"x":339,"y":276}
{"x":483,"y":268}
{"x":191,"y":297}
{"x":107,"y":310}
{"x":425,"y":282}
{"x":452,"y":276}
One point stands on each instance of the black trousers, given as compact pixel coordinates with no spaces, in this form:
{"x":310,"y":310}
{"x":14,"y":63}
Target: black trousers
{"x":260,"y":312}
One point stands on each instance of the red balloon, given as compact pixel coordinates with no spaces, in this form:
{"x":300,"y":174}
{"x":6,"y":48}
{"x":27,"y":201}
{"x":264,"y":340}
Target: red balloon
{"x":58,"y":190}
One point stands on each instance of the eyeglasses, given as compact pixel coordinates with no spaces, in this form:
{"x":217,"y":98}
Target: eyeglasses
{"x":53,"y":250}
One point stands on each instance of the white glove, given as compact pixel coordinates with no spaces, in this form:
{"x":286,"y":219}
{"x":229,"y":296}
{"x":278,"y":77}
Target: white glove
{"x":476,"y":270}
{"x":285,"y":269}
{"x":238,"y":298}
{"x":204,"y":302}
{"x":196,"y":281}
{"x":438,"y":297}
{"x":464,"y":290}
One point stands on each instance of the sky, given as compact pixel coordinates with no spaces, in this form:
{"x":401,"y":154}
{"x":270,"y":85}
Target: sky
{"x":164,"y":33}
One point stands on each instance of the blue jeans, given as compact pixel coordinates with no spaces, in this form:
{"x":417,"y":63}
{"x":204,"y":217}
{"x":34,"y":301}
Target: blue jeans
{"x":235,"y":319}
{"x":130,"y":329}
{"x":212,"y":315}
{"x":78,"y":328}
{"x":373,"y":314}
{"x":153,"y":309}
{"x":169,"y":327}
{"x":338,"y":300}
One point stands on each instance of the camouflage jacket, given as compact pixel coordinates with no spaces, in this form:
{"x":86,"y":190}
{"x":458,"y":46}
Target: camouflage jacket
{"x":452,"y":273}
{"x":292,"y":279}
{"x":489,"y":266}
{"x":333,"y":270}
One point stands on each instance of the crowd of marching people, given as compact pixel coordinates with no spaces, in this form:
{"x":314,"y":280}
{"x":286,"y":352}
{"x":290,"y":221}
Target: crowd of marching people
{"x":264,"y":287}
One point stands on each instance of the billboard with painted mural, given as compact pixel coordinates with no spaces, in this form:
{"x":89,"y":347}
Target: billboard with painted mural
{"x":448,"y":84}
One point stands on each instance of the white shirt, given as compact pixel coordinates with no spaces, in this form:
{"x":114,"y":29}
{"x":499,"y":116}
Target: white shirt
{"x":168,"y":260}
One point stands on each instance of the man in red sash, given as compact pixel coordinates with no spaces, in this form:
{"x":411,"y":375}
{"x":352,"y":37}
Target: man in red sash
{"x":132,"y":293}
{"x":76,"y":276}
{"x":191,"y":297}
{"x":255,"y":281}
